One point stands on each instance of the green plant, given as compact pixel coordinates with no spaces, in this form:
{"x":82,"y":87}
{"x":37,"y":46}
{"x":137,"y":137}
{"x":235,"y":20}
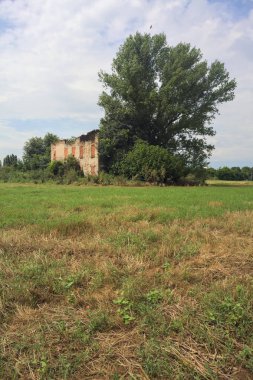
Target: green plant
{"x":245,"y":356}
{"x":156,"y":363}
{"x":43,"y":367}
{"x":188,"y":250}
{"x":150,"y":163}
{"x":231,"y":312}
{"x":154,"y":296}
{"x":177,"y":325}
{"x":98,"y":321}
{"x":166,"y":265}
{"x":125,"y":309}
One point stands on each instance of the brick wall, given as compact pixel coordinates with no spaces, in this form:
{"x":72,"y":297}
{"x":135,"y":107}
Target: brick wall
{"x":84,"y":149}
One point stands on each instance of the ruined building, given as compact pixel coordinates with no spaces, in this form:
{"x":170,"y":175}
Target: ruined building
{"x":84,"y":149}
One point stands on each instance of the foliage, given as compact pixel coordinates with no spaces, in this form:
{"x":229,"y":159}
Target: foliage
{"x":36,"y":165}
{"x":154,"y":296}
{"x":164,"y":95}
{"x":71,"y":140}
{"x":125,"y":309}
{"x":151,"y":163}
{"x":12,"y":174}
{"x":69,"y":169}
{"x":235,"y":173}
{"x":62,"y":172}
{"x":37,"y":151}
{"x":71,"y":163}
{"x":10,"y":160}
{"x":56,"y":168}
{"x":229,"y":310}
{"x":231,"y":174}
{"x":210,"y":172}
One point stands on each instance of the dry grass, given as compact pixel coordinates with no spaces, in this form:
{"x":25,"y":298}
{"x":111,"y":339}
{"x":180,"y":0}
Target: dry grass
{"x":128,"y":298}
{"x":218,"y":182}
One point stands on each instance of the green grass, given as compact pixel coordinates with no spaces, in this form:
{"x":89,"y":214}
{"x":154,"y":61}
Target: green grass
{"x":126,"y":283}
{"x":49,"y":205}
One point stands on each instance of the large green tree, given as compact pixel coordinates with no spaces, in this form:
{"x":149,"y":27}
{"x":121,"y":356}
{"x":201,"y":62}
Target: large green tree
{"x":163,"y":95}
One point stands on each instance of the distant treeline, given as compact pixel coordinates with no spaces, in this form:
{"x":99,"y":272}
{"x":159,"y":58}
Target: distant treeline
{"x":231,"y":174}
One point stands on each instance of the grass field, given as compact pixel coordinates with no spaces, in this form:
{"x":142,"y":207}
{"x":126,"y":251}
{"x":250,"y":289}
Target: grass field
{"x":126,"y":283}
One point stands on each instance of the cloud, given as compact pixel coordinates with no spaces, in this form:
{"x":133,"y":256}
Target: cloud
{"x":52,"y":50}
{"x":11,"y":140}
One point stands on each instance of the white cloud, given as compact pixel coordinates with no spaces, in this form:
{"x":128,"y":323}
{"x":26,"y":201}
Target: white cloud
{"x":52,"y":50}
{"x":12,"y":140}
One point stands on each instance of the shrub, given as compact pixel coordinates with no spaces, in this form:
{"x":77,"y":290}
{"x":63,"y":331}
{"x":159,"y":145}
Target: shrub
{"x":69,"y":169}
{"x":72,"y":163}
{"x":151,"y":163}
{"x":56,"y":168}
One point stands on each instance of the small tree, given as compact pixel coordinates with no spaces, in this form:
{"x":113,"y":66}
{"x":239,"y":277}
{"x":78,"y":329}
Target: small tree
{"x":151,"y":163}
{"x":10,"y":160}
{"x":246,"y":172}
{"x":37,"y":151}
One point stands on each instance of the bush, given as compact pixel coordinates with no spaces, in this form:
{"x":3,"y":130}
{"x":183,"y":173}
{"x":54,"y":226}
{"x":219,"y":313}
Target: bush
{"x":68,"y":170}
{"x":151,"y":163}
{"x":56,"y":168}
{"x":14,"y":175}
{"x":71,"y":176}
{"x":71,"y":163}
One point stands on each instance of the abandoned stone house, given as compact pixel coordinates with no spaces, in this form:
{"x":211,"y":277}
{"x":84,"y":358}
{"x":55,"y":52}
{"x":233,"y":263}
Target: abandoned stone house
{"x":84,"y":149}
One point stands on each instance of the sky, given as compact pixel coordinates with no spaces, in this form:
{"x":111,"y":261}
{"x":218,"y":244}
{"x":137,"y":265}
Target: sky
{"x":52,"y":50}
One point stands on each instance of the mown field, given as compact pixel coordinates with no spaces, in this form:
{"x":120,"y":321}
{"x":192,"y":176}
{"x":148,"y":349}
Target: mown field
{"x":126,"y":283}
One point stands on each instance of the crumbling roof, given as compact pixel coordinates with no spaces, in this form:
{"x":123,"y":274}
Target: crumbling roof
{"x":89,"y":136}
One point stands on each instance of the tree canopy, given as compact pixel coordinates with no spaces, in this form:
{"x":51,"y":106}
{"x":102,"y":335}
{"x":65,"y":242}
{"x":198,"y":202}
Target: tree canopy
{"x":10,"y":160}
{"x":163,"y":95}
{"x":231,"y":174}
{"x":37,"y":151}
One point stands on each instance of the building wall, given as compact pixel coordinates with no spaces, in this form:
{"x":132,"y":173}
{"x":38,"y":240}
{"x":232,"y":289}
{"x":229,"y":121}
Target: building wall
{"x":84,"y":149}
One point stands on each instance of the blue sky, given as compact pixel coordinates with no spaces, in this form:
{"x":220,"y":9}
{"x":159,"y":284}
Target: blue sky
{"x":52,"y":50}
{"x":235,"y":8}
